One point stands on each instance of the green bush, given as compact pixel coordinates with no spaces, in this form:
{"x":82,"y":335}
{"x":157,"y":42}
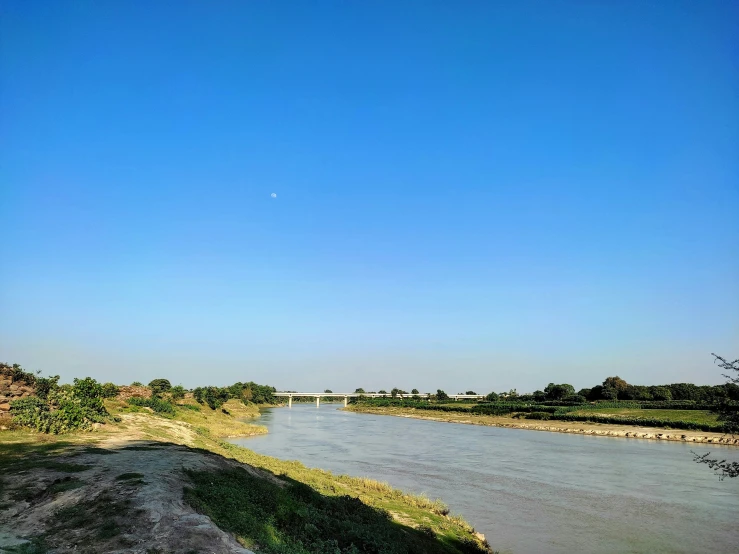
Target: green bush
{"x":160,"y":386}
{"x":177,"y":392}
{"x":110,"y":390}
{"x":155,"y":403}
{"x":44,"y":385}
{"x":17,"y":374}
{"x":63,"y":409}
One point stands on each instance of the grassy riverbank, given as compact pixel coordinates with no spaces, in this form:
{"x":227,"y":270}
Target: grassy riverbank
{"x":593,"y":427}
{"x":98,"y":491}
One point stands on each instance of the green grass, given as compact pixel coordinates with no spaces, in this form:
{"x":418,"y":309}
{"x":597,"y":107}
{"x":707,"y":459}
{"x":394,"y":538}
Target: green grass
{"x":694,"y":416}
{"x":129,"y":476}
{"x":294,"y":518}
{"x":65,"y":484}
{"x":311,"y":496}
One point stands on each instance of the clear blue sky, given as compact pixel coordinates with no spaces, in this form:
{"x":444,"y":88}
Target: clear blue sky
{"x":480,"y":195}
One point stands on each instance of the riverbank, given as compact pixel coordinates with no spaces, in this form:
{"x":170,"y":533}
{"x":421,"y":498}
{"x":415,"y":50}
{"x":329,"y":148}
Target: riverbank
{"x":148,"y":483}
{"x":582,"y":428}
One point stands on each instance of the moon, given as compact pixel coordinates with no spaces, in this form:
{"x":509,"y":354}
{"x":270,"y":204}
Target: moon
{"x":273,"y":195}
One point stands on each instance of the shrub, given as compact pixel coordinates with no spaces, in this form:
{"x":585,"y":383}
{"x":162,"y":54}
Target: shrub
{"x":110,"y":390}
{"x":17,"y":374}
{"x":155,"y":403}
{"x":177,"y":392}
{"x":63,"y":409}
{"x":44,"y":385}
{"x":160,"y":386}
{"x":536,"y":415}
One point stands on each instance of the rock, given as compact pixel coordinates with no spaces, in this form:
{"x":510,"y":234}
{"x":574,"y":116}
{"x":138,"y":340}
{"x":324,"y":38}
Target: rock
{"x":5,"y":407}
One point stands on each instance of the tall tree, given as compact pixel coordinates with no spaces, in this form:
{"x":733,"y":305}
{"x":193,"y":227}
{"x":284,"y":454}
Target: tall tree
{"x":730,"y":416}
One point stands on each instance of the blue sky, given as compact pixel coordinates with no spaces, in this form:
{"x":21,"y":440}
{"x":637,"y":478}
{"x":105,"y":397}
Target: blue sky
{"x":484,"y":195}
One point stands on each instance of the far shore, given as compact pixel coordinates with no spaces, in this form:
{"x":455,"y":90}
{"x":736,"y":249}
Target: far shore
{"x":581,"y":428}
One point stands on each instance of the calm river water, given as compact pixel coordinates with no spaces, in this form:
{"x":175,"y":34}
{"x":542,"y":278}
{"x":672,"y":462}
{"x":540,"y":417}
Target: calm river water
{"x":528,"y":491}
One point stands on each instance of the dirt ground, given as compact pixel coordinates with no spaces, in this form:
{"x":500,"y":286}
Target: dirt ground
{"x":92,"y":498}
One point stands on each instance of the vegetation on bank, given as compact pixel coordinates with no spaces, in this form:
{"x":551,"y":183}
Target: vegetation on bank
{"x":298,"y":519}
{"x":62,"y":408}
{"x":287,"y":509}
{"x":679,"y":405}
{"x":650,"y":415}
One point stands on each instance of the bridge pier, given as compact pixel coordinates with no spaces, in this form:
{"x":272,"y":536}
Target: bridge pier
{"x":346,"y":401}
{"x":318,"y":401}
{"x":290,"y":401}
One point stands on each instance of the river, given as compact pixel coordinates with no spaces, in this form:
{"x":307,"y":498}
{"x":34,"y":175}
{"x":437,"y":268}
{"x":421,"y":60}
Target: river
{"x":530,"y":492}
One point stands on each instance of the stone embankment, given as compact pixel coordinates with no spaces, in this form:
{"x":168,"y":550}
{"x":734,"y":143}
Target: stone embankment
{"x":673,"y":435}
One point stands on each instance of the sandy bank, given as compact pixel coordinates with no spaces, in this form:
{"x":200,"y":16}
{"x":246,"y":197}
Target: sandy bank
{"x":581,"y":428}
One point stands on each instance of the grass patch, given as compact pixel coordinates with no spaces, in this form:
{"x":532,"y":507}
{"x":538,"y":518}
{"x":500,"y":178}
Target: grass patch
{"x":65,"y":484}
{"x":159,"y":406}
{"x":296,"y":519}
{"x":224,"y":424}
{"x":129,"y":476}
{"x":693,"y":416}
{"x":99,"y":518}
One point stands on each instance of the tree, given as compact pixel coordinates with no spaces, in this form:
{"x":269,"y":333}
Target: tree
{"x":441,"y":395}
{"x":382,"y":391}
{"x":731,"y":423}
{"x":660,"y":393}
{"x":137,"y":384}
{"x":470,"y":392}
{"x":360,"y":390}
{"x":177,"y":392}
{"x":609,"y":393}
{"x":110,"y":390}
{"x":615,"y":383}
{"x":329,"y":391}
{"x":558,"y":392}
{"x":492,"y":397}
{"x":160,"y":386}
{"x":414,"y":391}
{"x":614,"y":388}
{"x":394,"y":393}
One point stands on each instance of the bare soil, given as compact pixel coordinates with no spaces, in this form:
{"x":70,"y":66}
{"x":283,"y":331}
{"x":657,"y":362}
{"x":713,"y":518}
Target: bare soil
{"x":123,"y":495}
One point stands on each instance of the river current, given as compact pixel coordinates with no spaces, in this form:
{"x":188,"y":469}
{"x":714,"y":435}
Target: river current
{"x":529,"y":492}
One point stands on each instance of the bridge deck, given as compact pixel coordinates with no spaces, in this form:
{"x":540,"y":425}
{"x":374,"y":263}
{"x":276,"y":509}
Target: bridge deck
{"x":373,"y":395}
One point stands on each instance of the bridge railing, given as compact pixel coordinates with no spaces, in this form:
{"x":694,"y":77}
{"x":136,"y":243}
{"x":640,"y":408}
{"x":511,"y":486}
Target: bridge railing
{"x":374,"y":395}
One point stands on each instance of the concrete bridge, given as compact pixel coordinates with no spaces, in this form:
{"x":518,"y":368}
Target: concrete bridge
{"x":347,"y":395}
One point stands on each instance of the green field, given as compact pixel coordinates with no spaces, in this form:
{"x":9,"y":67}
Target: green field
{"x":693,"y":416}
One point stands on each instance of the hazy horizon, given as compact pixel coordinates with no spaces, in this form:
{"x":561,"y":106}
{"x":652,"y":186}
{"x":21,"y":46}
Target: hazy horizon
{"x":473,"y":196}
